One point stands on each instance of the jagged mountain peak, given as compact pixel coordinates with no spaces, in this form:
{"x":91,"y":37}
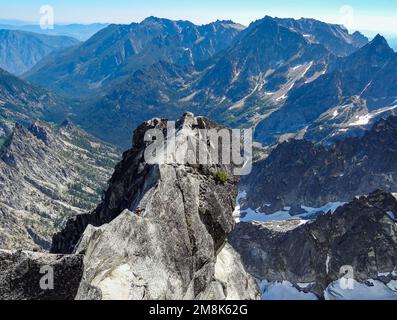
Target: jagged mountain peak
{"x":334,"y":37}
{"x":167,"y":23}
{"x":135,"y":184}
{"x":378,"y":48}
{"x":225,"y":22}
{"x":154,"y":19}
{"x":379,"y":40}
{"x":37,"y":128}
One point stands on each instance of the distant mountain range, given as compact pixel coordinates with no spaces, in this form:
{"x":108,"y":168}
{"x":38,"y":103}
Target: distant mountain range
{"x":393,"y":43}
{"x":80,"y":32}
{"x":285,"y":77}
{"x":21,"y":50}
{"x":118,"y":51}
{"x":233,"y":74}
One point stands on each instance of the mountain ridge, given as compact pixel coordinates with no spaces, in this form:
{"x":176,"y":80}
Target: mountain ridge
{"x":21,"y":50}
{"x":122,"y":49}
{"x":352,"y":88}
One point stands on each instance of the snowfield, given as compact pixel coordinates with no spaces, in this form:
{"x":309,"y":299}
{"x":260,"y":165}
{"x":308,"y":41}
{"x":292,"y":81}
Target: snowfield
{"x":376,"y":290}
{"x":337,"y":290}
{"x":250,"y":215}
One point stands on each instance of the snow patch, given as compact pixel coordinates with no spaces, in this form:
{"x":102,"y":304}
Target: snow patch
{"x":360,"y":291}
{"x":237,"y":210}
{"x":307,"y":69}
{"x":199,"y":40}
{"x":283,"y":291}
{"x":251,"y":215}
{"x":189,"y":97}
{"x":327,"y":263}
{"x":392,"y":216}
{"x":365,"y":119}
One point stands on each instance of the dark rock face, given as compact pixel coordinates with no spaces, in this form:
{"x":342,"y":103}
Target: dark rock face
{"x":301,"y":173}
{"x":21,"y":274}
{"x":361,"y":234}
{"x":236,"y":76}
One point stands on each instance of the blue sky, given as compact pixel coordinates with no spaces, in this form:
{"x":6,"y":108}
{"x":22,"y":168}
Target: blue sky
{"x":366,"y":15}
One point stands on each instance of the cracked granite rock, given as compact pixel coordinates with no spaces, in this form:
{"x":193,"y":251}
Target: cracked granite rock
{"x":22,"y":272}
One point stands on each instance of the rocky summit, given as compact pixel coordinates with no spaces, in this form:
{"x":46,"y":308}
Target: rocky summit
{"x":359,"y":237}
{"x":175,"y":247}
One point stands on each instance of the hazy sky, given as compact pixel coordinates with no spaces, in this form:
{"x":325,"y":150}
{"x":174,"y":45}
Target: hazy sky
{"x":370,"y":16}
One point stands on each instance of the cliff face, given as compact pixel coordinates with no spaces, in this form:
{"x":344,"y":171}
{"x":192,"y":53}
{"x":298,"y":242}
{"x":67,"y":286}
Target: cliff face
{"x":361,"y":234}
{"x":176,"y":248}
{"x":299,"y":173}
{"x":143,"y":258}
